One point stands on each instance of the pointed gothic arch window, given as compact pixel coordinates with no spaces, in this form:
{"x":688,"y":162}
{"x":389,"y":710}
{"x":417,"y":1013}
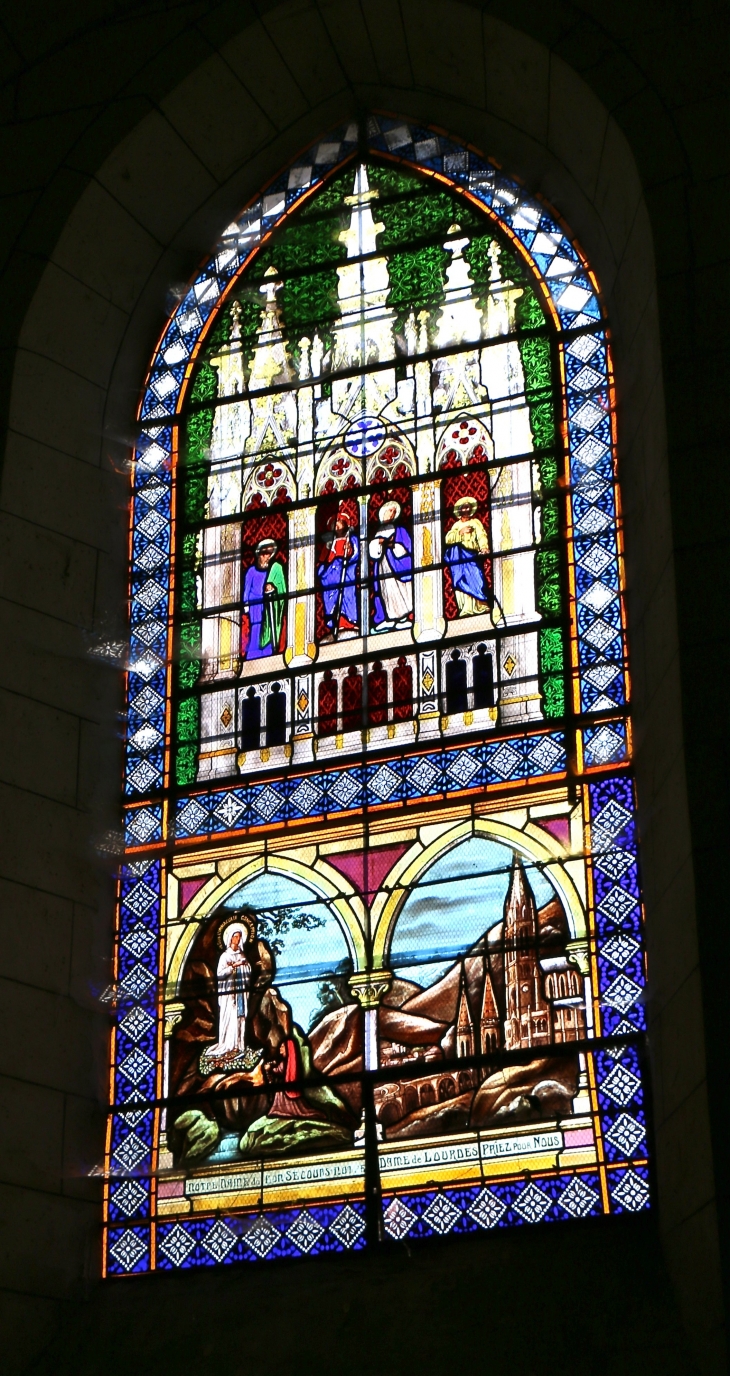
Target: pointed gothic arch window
{"x":379,"y":805}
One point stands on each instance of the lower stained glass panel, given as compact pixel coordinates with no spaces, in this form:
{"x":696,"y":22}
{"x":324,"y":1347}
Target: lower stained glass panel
{"x":373,"y":1029}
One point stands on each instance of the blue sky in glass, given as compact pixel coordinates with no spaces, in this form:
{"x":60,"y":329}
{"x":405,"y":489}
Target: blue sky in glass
{"x":451,"y":911}
{"x":306,"y":956}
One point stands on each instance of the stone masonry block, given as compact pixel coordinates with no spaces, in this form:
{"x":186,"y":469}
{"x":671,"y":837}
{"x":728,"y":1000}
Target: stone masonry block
{"x":51,"y":662}
{"x":51,"y":1241}
{"x":671,"y":940}
{"x":57,"y":407}
{"x":31,"y":1144}
{"x":27,"y":1322}
{"x":680,"y":1041}
{"x":691,"y":1249}
{"x":105,"y":247}
{"x":99,"y":758}
{"x":84,"y":1127}
{"x":39,"y":748}
{"x":64,"y":493}
{"x":345,"y":24}
{"x":518,"y":78}
{"x":91,"y":964}
{"x":446,"y":48}
{"x":41,"y":569}
{"x":686,"y":1180}
{"x":45,"y":838}
{"x":72,"y":324}
{"x":154,"y":174}
{"x":260,"y":67}
{"x":577,"y":127}
{"x":45,"y":1039}
{"x":44,"y":963}
{"x":217,"y":118}
{"x":299,"y":35}
{"x":618,"y":188}
{"x":635,"y":287}
{"x":388,"y":40}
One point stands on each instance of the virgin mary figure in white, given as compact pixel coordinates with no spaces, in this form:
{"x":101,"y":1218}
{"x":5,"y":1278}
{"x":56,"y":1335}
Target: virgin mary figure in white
{"x":233,"y":982}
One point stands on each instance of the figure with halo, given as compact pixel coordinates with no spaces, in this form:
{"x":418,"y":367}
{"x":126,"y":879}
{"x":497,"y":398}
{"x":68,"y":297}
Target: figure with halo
{"x":233,"y":978}
{"x":259,"y":1079}
{"x":391,"y":553}
{"x":467,"y":544}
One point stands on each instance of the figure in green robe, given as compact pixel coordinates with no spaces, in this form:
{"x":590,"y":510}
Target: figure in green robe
{"x":264,"y":597}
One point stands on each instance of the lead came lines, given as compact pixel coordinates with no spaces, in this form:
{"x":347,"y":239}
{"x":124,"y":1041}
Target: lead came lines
{"x":363,"y":786}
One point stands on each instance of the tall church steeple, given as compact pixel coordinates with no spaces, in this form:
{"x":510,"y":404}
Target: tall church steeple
{"x":273,"y":416}
{"x":270,"y":362}
{"x":459,"y":323}
{"x":232,"y":422}
{"x":464,"y":1021}
{"x":364,"y":332}
{"x":527,"y":1020}
{"x":489,"y":1028}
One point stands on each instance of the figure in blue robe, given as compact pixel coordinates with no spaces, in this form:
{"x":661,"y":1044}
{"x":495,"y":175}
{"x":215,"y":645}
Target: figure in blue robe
{"x":467,"y":543}
{"x":337,"y":574}
{"x":391,"y":552}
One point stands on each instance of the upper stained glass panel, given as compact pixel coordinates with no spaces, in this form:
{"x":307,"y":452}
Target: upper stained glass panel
{"x":369,"y":463}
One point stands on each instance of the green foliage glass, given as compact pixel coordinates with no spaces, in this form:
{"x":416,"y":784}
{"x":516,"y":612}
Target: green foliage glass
{"x":548,"y":582}
{"x":417,"y":218}
{"x":552,"y":670}
{"x":186,"y":765}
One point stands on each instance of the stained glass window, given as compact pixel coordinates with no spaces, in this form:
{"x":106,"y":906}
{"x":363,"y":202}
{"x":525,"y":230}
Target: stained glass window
{"x":379,"y":962}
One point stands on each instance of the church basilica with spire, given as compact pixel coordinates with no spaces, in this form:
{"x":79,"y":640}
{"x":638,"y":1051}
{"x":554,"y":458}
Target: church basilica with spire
{"x":525,"y":998}
{"x":543,"y":997}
